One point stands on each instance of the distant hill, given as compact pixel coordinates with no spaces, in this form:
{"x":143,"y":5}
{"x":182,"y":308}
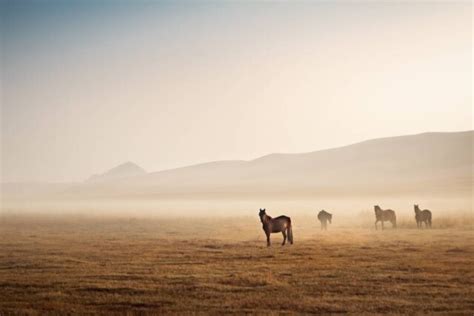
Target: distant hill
{"x":127,"y":169}
{"x":429,"y":163}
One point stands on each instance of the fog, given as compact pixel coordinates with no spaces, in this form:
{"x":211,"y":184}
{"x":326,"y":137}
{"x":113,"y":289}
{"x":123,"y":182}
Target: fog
{"x":294,"y":107}
{"x":87,"y":86}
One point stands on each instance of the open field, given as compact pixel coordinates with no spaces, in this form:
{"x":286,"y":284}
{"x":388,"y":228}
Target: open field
{"x":84,"y":264}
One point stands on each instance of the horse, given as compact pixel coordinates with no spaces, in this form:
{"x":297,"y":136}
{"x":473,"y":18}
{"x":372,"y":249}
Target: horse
{"x":275,"y":225}
{"x":384,"y":215}
{"x":422,"y":217}
{"x":324,"y":217}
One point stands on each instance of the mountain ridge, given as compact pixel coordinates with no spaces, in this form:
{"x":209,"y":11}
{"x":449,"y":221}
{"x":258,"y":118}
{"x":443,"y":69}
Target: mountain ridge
{"x":126,"y":169}
{"x":392,"y":164}
{"x":431,"y":163}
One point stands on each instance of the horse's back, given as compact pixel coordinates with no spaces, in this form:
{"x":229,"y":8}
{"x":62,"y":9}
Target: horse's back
{"x":391,"y":214}
{"x":426,"y":214}
{"x":386,"y":215}
{"x":280,"y":223}
{"x":323,"y":215}
{"x":282,"y":218}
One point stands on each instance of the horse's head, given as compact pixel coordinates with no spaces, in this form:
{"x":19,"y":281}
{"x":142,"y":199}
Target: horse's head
{"x":376,"y":208}
{"x":417,"y":209}
{"x":262,"y":214}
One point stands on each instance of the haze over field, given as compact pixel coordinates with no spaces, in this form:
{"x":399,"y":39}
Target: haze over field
{"x":169,"y":105}
{"x":434,"y":168}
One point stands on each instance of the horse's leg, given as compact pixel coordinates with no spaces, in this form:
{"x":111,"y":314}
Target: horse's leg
{"x":290,"y":235}
{"x":284,"y":237}
{"x":376,"y":221}
{"x":382,"y":225}
{"x":268,"y":239}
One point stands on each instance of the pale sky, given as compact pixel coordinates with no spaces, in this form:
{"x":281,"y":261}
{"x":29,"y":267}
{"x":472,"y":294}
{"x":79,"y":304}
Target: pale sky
{"x":91,"y":84}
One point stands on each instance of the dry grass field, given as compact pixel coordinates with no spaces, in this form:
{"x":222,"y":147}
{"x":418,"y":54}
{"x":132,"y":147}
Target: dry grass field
{"x":156,"y":265}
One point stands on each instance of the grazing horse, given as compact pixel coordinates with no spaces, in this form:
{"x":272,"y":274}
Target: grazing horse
{"x":422,"y":217}
{"x":384,"y":216}
{"x":324,"y":217}
{"x":275,"y":225}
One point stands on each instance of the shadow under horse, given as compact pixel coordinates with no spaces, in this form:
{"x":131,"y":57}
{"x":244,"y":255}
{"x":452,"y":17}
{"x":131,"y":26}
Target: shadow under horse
{"x":276,"y":225}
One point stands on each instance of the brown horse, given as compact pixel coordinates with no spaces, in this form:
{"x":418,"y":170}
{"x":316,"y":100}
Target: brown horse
{"x":384,"y":216}
{"x":422,"y":217}
{"x":324,"y":217}
{"x":275,"y":225}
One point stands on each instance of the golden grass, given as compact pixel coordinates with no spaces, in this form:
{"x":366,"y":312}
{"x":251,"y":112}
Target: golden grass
{"x":102,"y":265}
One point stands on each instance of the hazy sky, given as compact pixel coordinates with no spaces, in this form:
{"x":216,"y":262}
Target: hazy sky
{"x":91,"y":84}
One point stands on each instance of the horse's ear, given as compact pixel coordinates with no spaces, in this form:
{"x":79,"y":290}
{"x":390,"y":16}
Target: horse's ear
{"x":264,"y":210}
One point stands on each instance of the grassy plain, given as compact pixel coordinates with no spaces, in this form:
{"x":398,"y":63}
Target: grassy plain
{"x":73,"y":264}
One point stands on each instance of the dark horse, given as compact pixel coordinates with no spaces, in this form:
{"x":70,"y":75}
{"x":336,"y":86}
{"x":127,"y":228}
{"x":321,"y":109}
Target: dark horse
{"x":275,"y":225}
{"x":324,"y":217}
{"x":384,"y":216}
{"x":422,"y":217}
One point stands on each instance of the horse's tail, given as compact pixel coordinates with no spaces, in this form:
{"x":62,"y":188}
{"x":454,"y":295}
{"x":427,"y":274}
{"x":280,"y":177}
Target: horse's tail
{"x":290,"y":232}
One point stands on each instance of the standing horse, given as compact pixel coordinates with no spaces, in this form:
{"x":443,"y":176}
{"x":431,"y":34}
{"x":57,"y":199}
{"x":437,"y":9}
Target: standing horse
{"x":324,"y":217}
{"x":384,"y":216}
{"x":422,"y":217}
{"x":275,"y":225}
